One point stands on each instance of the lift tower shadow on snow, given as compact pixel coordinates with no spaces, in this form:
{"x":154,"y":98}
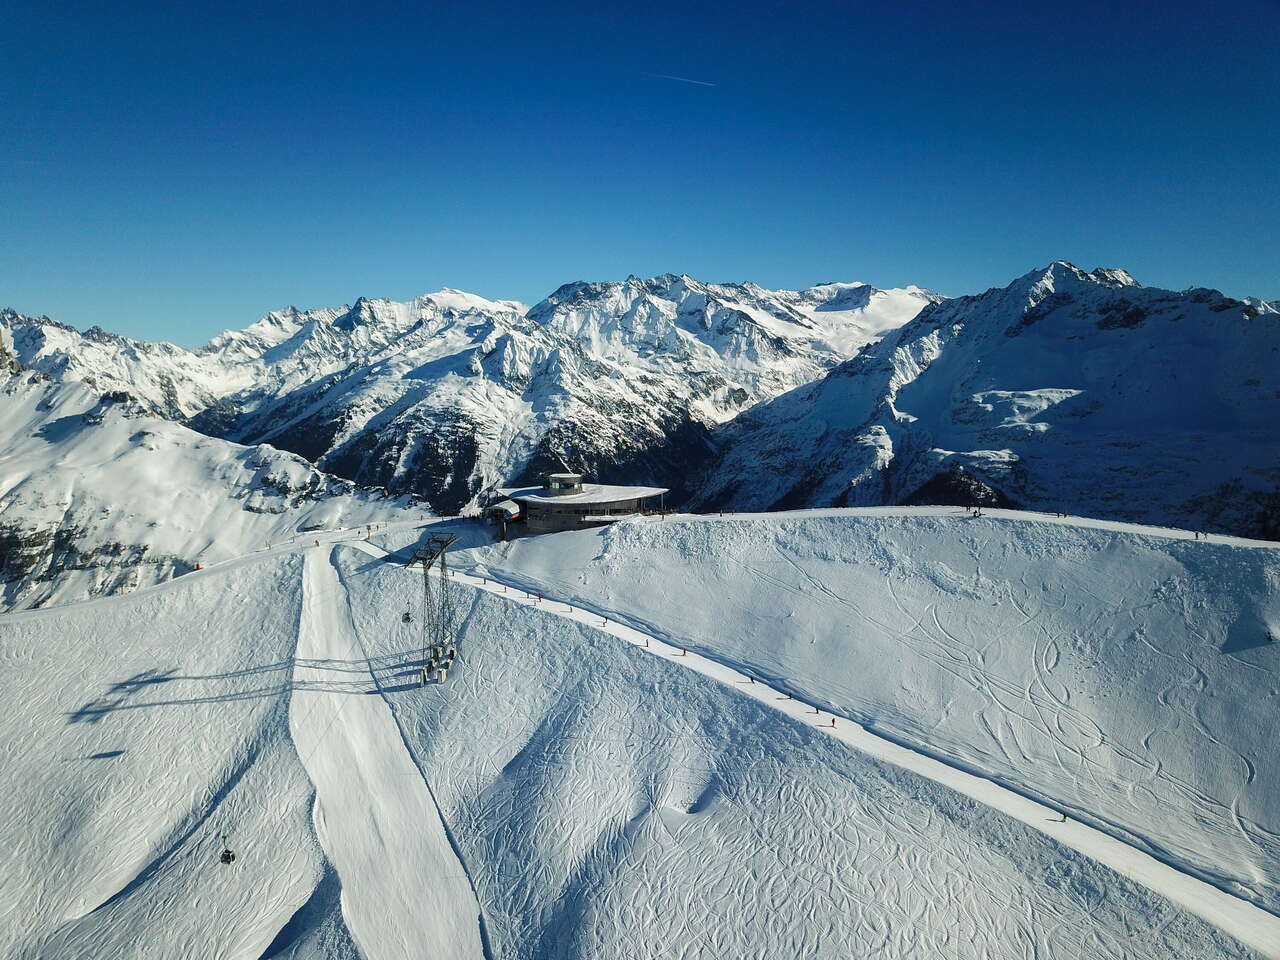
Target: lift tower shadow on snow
{"x":439,"y":616}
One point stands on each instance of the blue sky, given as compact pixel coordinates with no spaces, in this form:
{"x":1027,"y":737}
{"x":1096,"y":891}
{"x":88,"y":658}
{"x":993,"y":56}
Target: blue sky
{"x":170,"y":171}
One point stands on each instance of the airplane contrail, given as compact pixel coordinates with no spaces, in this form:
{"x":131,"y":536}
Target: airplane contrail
{"x":667,"y":76}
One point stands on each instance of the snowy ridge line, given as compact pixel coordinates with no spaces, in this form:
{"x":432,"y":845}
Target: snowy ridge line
{"x":302,"y":541}
{"x":295,"y":544}
{"x":1246,"y":922}
{"x":997,"y":513}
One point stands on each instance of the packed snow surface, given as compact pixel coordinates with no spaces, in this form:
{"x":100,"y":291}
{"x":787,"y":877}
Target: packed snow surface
{"x":567,"y":793}
{"x":1129,"y":674}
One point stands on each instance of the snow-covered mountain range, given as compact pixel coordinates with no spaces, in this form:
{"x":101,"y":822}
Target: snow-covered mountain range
{"x":1065,"y":390}
{"x":674,"y":735}
{"x":450,"y":394}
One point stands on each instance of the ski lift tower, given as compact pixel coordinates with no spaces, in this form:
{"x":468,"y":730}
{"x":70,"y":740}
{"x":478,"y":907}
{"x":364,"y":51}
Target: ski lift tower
{"x":439,"y":619}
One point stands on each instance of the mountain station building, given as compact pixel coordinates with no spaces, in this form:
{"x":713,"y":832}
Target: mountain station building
{"x":566,"y":503}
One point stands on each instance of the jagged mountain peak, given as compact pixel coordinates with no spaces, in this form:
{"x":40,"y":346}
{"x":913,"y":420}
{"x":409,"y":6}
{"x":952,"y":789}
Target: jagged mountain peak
{"x":1037,"y":293}
{"x":450,"y":393}
{"x":1065,"y":273}
{"x":1115,"y":276}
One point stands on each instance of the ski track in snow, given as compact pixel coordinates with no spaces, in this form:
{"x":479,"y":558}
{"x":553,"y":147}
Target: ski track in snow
{"x":620,"y":805}
{"x":113,"y":801}
{"x":374,"y":813}
{"x":1034,"y":724}
{"x":1247,"y":922}
{"x":391,"y":849}
{"x":1244,"y":921}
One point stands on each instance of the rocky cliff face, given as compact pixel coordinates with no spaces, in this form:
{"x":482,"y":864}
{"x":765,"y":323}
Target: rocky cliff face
{"x":8,"y":353}
{"x":1065,"y":390}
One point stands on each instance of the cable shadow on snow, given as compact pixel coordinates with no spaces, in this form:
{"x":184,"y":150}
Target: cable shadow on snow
{"x":120,"y":695}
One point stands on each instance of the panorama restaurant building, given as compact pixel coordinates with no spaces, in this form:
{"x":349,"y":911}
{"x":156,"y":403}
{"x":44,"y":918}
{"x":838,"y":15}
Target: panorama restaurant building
{"x":566,"y":503}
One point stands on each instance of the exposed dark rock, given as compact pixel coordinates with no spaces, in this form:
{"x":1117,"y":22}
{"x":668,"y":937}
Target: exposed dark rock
{"x":672,"y":458}
{"x":32,"y":560}
{"x":1121,"y":313}
{"x":1267,"y":521}
{"x":956,"y":488}
{"x":219,"y":419}
{"x":1048,"y":305}
{"x":436,"y":463}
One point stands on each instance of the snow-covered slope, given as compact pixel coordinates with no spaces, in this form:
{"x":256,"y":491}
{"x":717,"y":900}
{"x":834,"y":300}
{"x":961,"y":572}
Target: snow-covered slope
{"x":451,"y":394}
{"x":165,"y":379}
{"x":1125,"y":676}
{"x":1064,"y":390}
{"x":98,"y":496}
{"x":563,"y":795}
{"x":137,"y":731}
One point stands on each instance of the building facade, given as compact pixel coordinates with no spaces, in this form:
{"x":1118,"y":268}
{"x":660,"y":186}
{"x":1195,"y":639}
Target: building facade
{"x":565,"y":502}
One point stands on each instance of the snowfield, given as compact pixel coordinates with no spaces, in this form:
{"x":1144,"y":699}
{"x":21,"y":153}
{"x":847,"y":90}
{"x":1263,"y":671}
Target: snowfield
{"x":1128,"y":674}
{"x":569,"y":792}
{"x":98,"y":497}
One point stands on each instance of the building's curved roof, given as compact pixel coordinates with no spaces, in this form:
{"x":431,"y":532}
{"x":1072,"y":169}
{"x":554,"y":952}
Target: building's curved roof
{"x":590,"y":493}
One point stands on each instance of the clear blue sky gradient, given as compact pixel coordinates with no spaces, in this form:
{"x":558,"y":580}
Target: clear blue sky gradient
{"x":172,"y":170}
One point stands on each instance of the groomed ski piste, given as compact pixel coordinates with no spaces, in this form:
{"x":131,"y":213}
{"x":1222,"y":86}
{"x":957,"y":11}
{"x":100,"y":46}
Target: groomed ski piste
{"x":635,"y":755}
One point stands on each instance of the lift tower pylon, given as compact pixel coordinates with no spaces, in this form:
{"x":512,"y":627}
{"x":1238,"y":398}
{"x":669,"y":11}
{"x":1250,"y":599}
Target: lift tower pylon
{"x":439,"y":619}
